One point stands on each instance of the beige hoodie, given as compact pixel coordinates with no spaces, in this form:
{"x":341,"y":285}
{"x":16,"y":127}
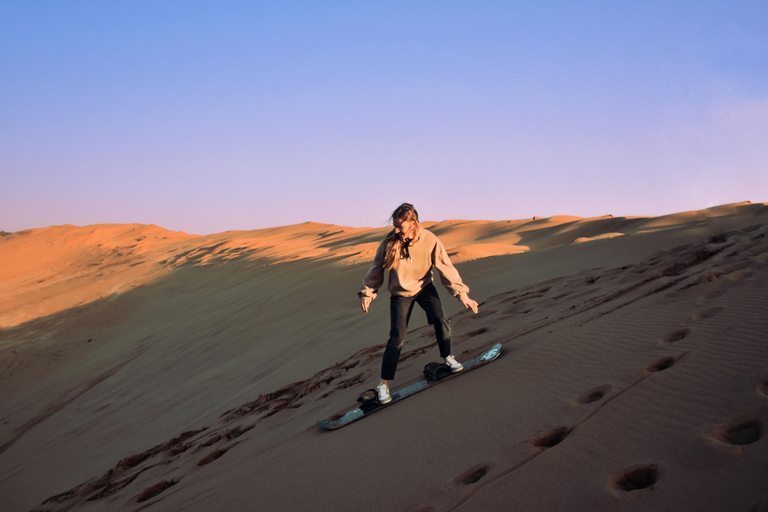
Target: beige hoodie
{"x":409,"y":277}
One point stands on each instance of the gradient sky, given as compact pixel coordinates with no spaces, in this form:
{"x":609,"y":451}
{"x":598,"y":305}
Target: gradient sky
{"x":211,"y":116}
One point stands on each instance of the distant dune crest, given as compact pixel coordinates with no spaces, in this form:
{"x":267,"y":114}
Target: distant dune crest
{"x":48,"y":270}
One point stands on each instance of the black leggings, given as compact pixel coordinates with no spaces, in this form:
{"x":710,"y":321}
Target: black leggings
{"x":400,"y":309}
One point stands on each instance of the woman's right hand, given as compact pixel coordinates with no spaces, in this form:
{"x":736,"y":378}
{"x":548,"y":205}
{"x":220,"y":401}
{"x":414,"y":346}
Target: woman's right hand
{"x":364,"y":303}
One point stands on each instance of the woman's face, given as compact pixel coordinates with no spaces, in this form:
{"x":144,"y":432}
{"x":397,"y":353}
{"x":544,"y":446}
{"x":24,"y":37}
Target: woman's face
{"x":404,"y":228}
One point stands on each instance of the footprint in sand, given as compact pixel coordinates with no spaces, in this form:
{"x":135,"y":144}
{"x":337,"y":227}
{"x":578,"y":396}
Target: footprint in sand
{"x":229,"y":435}
{"x":635,"y":478}
{"x":594,"y":395}
{"x":151,"y":492}
{"x":551,"y":438}
{"x":477,"y":332}
{"x":662,"y":364}
{"x":211,"y":457}
{"x":470,"y":476}
{"x":707,"y":313}
{"x":716,"y":293}
{"x":676,"y":336}
{"x":740,"y":432}
{"x":681,"y":334}
{"x":472,"y":334}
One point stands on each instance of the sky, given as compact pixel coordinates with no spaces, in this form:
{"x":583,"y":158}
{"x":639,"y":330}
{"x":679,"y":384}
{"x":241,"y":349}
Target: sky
{"x":208,"y":116}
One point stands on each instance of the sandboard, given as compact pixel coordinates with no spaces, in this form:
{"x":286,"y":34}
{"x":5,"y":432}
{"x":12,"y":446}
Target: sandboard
{"x":341,"y":420}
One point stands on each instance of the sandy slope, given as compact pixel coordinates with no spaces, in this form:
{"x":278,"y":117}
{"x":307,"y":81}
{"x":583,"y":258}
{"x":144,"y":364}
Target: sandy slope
{"x":146,"y":368}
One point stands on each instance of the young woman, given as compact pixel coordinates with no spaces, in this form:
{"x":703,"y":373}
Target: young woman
{"x":409,"y":252}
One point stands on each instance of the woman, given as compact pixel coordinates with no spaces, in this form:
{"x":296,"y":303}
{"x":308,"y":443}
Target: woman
{"x":409,"y":252}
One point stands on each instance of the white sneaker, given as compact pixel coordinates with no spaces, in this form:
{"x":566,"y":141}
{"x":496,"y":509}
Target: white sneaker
{"x":453,"y":364}
{"x":384,"y":396}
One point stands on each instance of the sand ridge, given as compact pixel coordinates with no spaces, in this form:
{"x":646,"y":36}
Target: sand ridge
{"x":633,"y":377}
{"x":44,"y":271}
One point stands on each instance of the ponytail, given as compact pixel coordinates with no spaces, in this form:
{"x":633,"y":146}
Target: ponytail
{"x":403,"y":212}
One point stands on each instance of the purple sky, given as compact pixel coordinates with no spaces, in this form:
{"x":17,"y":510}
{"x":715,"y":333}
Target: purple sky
{"x":210,"y":116}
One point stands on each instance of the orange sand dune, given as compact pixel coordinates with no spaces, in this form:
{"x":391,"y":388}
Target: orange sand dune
{"x":141,"y":367}
{"x":45,"y":271}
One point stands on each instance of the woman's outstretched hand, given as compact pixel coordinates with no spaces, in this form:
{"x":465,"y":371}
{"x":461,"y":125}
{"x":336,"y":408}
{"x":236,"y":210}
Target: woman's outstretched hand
{"x":468,"y":303}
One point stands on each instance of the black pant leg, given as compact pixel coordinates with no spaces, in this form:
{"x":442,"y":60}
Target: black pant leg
{"x":429,"y":300}
{"x":399,"y":313}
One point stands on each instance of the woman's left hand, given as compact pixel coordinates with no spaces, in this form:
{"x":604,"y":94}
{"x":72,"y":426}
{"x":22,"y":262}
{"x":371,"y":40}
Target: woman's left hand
{"x":468,"y":303}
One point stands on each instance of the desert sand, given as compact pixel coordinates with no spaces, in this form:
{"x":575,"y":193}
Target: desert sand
{"x":142,"y":368}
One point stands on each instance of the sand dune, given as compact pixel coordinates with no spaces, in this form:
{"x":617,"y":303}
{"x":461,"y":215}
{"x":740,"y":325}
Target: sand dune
{"x":141,"y":367}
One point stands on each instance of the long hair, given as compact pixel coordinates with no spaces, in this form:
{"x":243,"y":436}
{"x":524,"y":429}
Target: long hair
{"x":404,"y":212}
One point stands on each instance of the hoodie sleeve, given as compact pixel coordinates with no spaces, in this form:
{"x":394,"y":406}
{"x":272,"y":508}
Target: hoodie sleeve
{"x":375,"y":276}
{"x":449,"y":276}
